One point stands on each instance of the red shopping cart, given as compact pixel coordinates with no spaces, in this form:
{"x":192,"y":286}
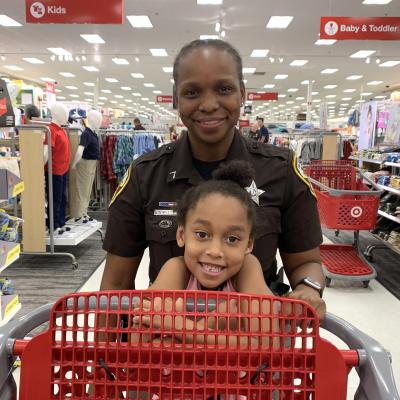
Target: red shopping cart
{"x":194,"y":345}
{"x":344,"y":203}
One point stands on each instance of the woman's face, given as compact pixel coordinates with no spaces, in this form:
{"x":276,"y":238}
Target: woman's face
{"x":209,"y":95}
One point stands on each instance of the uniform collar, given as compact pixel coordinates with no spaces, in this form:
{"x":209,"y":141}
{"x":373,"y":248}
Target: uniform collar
{"x":182,"y":167}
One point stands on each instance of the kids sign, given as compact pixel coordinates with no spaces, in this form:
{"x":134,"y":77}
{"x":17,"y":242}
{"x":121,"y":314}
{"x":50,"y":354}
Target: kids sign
{"x":74,"y":11}
{"x":264,"y":96}
{"x":348,"y":28}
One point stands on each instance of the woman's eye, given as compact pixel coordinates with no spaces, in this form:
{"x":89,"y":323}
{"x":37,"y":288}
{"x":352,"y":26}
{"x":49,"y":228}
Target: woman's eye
{"x":225,"y":89}
{"x":190,"y":93}
{"x":232,"y":239}
{"x":201,"y":234}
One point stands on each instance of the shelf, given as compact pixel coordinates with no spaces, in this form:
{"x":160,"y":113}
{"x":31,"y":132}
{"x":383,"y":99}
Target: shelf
{"x":77,"y":234}
{"x":389,"y":216}
{"x":369,"y":160}
{"x":392,"y":164}
{"x":9,"y":306}
{"x":388,"y":244}
{"x":10,"y":253}
{"x":389,"y":189}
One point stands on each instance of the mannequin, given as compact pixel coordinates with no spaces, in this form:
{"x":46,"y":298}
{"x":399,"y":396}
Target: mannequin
{"x":85,"y":163}
{"x":61,"y":157}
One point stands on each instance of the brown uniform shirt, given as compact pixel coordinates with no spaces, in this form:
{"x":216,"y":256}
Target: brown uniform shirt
{"x":142,"y":211}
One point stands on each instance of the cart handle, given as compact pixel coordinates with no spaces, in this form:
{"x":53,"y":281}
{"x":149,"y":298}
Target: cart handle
{"x":339,"y":192}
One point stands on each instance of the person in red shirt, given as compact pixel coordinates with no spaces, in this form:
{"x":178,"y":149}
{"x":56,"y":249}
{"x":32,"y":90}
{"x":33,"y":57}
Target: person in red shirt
{"x":60,"y":157}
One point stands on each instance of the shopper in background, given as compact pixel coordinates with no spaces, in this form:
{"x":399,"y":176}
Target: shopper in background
{"x":263,"y":133}
{"x":31,"y":111}
{"x":138,"y":125}
{"x":210,"y":92}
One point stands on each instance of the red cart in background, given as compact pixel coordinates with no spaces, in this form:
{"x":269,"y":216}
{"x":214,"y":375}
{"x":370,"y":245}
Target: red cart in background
{"x":344,"y":203}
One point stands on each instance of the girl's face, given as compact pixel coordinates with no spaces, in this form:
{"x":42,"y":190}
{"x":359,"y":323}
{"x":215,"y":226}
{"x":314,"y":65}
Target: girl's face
{"x":209,"y":95}
{"x":216,"y":237}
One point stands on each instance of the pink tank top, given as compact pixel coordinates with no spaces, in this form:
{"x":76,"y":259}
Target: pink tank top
{"x":193,"y":284}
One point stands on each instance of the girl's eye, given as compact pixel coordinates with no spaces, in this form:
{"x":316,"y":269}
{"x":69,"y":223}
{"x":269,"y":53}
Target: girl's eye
{"x":232,"y":239}
{"x":201,"y":234}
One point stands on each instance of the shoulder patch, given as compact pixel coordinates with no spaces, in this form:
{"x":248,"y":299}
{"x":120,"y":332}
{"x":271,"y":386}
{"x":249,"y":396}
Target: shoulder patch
{"x":156,"y":154}
{"x":122,"y":185}
{"x":298,"y":170}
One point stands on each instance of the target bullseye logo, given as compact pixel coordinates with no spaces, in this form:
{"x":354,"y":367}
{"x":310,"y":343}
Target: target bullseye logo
{"x":37,"y":10}
{"x":356,"y":212}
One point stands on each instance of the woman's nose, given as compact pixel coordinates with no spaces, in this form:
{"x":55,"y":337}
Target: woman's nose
{"x":209,"y":102}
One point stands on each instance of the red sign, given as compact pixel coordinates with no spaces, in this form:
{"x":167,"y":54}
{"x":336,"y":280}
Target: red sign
{"x":262,"y":96}
{"x":74,"y":11}
{"x":348,"y":28}
{"x":164,"y":99}
{"x":3,"y":106}
{"x":243,"y":123}
{"x":50,"y":87}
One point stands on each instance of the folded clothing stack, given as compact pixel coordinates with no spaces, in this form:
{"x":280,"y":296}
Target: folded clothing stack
{"x":394,"y":239}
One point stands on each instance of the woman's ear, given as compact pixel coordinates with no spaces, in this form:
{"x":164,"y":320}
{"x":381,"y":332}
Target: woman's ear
{"x":250,"y":246}
{"x":180,"y":236}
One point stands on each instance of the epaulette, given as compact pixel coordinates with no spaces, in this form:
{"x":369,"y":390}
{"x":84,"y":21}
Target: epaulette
{"x":168,"y":148}
{"x":267,"y":150}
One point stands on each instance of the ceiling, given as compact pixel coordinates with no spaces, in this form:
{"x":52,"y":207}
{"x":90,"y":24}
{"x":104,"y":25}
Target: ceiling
{"x":176,"y":22}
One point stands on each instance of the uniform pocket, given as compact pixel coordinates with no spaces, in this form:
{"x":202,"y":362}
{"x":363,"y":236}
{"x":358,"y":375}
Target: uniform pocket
{"x":161,"y":228}
{"x":268,"y":220}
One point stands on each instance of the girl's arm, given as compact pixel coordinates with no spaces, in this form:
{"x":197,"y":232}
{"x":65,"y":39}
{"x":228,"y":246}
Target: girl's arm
{"x":174,"y":275}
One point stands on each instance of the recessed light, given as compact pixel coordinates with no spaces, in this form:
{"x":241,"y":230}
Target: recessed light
{"x":136,"y":94}
{"x":314,"y":93}
{"x":280,"y":76}
{"x":67,"y":74}
{"x":90,"y":68}
{"x":209,"y":2}
{"x":269,"y":85}
{"x":330,"y":96}
{"x":298,"y":63}
{"x":89,"y":93}
{"x":139,"y":21}
{"x":144,"y":98}
{"x":360,"y":101}
{"x":290,"y":102}
{"x":157,"y":91}
{"x":389,"y":64}
{"x":363,"y":54}
{"x":306,"y":82}
{"x":148,"y":84}
{"x":106,"y":91}
{"x":118,"y":96}
{"x":58,"y":90}
{"x":331,"y":102}
{"x":59,"y":51}
{"x":349,"y":90}
{"x":5,"y":20}
{"x":346,"y":98}
{"x":354,"y":77}
{"x":293,"y":90}
{"x":317,"y":100}
{"x":113,"y":101}
{"x":88,"y":83}
{"x":126,"y":88}
{"x":168,"y":69}
{"x":97,"y":58}
{"x":248,"y":70}
{"x":330,"y":86}
{"x":380,"y":97}
{"x":33,"y":60}
{"x":376,"y":1}
{"x":279,"y":22}
{"x":48,"y":79}
{"x":120,"y":61}
{"x":366,"y":94}
{"x":374,"y":83}
{"x":281,"y":96}
{"x":300,"y":98}
{"x":209,"y":37}
{"x":137,"y":75}
{"x":74,"y":95}
{"x":91,"y":38}
{"x":329,"y":71}
{"x":158,"y":52}
{"x":325,"y":42}
{"x":13,"y":67}
{"x":61,"y":98}
{"x":103,"y":98}
{"x":259,"y":53}
{"x":111,"y":80}
{"x":71,"y":87}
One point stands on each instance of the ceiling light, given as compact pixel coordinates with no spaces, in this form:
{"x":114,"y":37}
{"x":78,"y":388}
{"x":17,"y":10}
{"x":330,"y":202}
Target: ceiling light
{"x":366,"y":94}
{"x":349,"y":90}
{"x":389,"y":64}
{"x":330,"y":86}
{"x":148,"y":84}
{"x":77,"y":59}
{"x":269,"y":86}
{"x":74,"y":95}
{"x":67,"y":74}
{"x":136,"y":94}
{"x":59,"y":51}
{"x":331,"y":102}
{"x":126,"y":88}
{"x":290,"y":102}
{"x":259,"y":53}
{"x":5,"y":20}
{"x":97,"y":58}
{"x":168,"y":69}
{"x":118,"y":96}
{"x":248,"y":70}
{"x":330,"y":96}
{"x":293,"y":90}
{"x":128,"y":101}
{"x":329,"y":71}
{"x":209,"y":2}
{"x":325,"y":42}
{"x":217,"y":27}
{"x":363,"y":54}
{"x":90,"y":68}
{"x":111,"y":80}
{"x":279,"y":22}
{"x":223,"y":34}
{"x":113,"y":101}
{"x":378,"y":60}
{"x":158,"y":52}
{"x":317,"y":100}
{"x":157,"y":91}
{"x":139,"y":21}
{"x":281,"y":96}
{"x":33,"y":60}
{"x":48,"y":79}
{"x":368,"y":60}
{"x":346,"y":98}
{"x":272,"y":60}
{"x":298,"y":63}
{"x":58,"y":90}
{"x":89,"y":93}
{"x":172,"y":81}
{"x":280,"y":59}
{"x":314,"y":93}
{"x":209,"y":37}
{"x":380,"y":97}
{"x":306,"y":82}
{"x":83,"y":58}
{"x":106,"y":91}
{"x":280,"y":76}
{"x":120,"y":61}
{"x":88,"y":83}
{"x":94,"y":39}
{"x":61,"y":98}
{"x":144,"y":98}
{"x":374,"y":83}
{"x":103,"y":98}
{"x":13,"y":68}
{"x":354,"y":77}
{"x":137,"y":75}
{"x":299,"y":98}
{"x":376,"y":1}
{"x":71,"y":87}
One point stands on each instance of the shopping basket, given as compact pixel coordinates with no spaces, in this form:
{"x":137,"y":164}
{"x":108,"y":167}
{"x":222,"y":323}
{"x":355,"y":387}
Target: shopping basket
{"x":188,"y":345}
{"x":344,"y":203}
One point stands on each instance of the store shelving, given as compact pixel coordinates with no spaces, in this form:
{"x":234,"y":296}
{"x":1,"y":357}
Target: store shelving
{"x":10,"y":253}
{"x":390,"y":189}
{"x":9,"y":307}
{"x":387,"y":244}
{"x":369,"y":160}
{"x":389,"y":216}
{"x":392,"y":164}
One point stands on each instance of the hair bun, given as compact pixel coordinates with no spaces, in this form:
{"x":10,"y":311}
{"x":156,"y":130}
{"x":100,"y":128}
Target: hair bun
{"x":238,"y":171}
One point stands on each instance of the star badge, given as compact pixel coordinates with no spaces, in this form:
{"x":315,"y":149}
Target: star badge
{"x":255,"y":192}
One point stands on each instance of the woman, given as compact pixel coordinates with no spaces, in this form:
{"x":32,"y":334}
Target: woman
{"x":210,"y":92}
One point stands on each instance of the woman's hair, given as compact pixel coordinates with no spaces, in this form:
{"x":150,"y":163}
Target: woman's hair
{"x":217,"y":45}
{"x":230,"y":180}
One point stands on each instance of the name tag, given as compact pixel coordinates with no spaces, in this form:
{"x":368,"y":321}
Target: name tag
{"x":165,"y":212}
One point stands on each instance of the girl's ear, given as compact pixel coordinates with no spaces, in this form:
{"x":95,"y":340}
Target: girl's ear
{"x":250,"y":246}
{"x":180,"y":236}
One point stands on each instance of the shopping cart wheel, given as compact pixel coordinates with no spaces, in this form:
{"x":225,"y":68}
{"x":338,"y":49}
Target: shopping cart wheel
{"x":365,"y":284}
{"x":337,"y":233}
{"x":328,"y":281}
{"x":74,"y":265}
{"x":368,"y":257}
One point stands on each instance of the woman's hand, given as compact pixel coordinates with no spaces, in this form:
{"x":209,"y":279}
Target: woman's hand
{"x":311,"y":297}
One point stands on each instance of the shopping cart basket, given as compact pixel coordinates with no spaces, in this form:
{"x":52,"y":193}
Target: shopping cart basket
{"x":195,"y":345}
{"x":344,"y":203}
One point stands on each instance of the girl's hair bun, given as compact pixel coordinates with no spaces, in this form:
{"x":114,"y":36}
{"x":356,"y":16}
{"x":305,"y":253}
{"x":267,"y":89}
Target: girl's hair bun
{"x":238,"y":171}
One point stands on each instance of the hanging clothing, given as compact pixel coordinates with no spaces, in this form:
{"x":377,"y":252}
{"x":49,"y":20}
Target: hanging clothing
{"x":60,"y":150}
{"x":107,"y":157}
{"x":123,"y":156}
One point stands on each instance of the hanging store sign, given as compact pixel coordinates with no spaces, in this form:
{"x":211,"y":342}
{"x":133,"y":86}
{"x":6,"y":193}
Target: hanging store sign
{"x":74,"y":11}
{"x":348,"y":28}
{"x":265,"y":96}
{"x":164,"y":99}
